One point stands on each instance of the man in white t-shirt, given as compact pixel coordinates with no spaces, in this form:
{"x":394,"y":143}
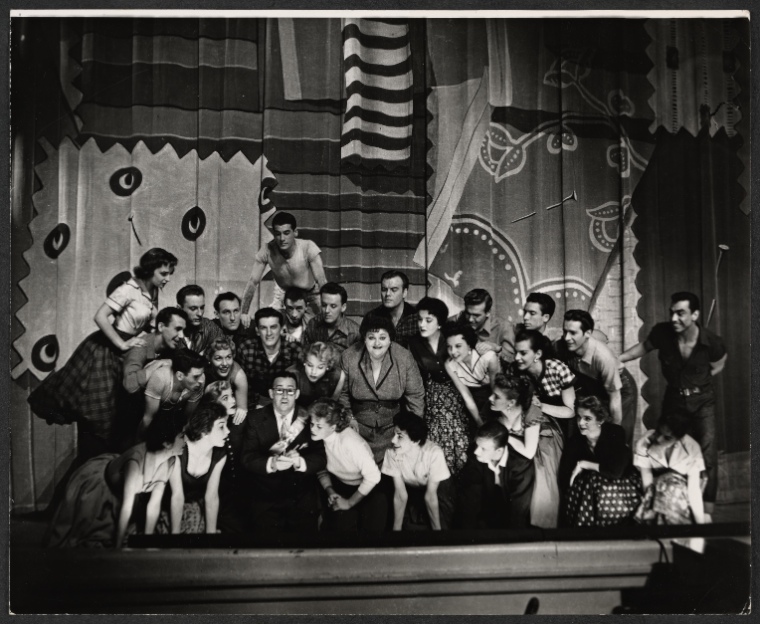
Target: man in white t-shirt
{"x":294,"y":262}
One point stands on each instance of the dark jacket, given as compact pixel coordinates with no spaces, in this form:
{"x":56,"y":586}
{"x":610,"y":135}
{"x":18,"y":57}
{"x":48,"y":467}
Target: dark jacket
{"x":611,"y":453}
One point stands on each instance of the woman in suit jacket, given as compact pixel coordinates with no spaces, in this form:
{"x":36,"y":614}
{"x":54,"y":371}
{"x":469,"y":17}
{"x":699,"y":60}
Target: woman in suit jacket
{"x":596,"y":472}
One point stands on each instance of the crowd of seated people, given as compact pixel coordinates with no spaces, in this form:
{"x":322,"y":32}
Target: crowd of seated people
{"x":412,"y":419}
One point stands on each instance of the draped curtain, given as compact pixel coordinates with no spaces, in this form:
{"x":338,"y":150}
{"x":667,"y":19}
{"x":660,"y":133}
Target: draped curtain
{"x":513,"y":155}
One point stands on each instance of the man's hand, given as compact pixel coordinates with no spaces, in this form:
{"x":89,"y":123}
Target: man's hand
{"x":245,"y":320}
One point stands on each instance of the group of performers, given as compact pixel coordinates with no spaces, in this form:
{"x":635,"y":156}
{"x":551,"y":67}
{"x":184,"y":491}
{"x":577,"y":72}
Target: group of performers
{"x":296,"y":418}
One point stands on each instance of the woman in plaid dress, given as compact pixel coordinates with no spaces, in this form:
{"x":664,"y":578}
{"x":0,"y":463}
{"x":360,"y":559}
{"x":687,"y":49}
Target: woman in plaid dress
{"x":85,"y":389}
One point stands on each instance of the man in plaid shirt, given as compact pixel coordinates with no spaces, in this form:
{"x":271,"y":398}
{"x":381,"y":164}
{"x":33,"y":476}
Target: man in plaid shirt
{"x":266,"y":355}
{"x":394,"y":286}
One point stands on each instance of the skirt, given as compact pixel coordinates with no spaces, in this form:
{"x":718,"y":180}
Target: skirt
{"x":193,"y":519}
{"x":544,"y":504}
{"x":85,"y":389}
{"x":448,"y":422}
{"x":87,"y":514}
{"x":666,"y":501}
{"x":595,"y":501}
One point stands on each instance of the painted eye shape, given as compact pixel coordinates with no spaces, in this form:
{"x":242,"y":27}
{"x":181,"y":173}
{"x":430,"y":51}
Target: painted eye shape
{"x":45,"y":353}
{"x":56,"y":241}
{"x":267,"y":184}
{"x":193,"y":223}
{"x":125,"y":181}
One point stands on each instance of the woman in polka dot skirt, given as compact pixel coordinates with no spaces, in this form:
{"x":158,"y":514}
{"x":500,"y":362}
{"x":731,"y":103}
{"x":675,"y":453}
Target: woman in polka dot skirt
{"x":596,"y":473}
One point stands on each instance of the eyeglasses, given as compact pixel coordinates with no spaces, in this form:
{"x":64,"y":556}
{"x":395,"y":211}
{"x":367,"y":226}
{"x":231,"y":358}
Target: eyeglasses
{"x":281,"y":391}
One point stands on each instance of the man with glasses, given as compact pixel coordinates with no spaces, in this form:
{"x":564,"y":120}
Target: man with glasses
{"x":281,"y":462}
{"x":265,"y":355}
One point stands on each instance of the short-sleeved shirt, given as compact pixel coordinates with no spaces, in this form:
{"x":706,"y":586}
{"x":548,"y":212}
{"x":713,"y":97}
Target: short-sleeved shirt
{"x":133,"y":308}
{"x":686,"y":456}
{"x":294,"y":271}
{"x":597,"y":363}
{"x":474,"y":373}
{"x":555,"y":377}
{"x":416,"y":468}
{"x":694,"y":372}
{"x":160,"y":377}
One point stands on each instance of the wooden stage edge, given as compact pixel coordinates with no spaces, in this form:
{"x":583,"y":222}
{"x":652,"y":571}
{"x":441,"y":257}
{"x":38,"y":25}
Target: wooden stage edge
{"x":564,"y":577}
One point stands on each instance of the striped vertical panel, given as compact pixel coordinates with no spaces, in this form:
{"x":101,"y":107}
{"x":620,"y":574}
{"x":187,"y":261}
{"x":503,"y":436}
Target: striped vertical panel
{"x":377,"y":127}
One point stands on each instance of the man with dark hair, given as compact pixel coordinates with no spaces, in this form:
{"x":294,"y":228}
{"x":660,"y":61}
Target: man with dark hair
{"x":332,"y":325}
{"x":495,"y":485}
{"x":294,"y":262}
{"x":493,"y":333}
{"x":281,"y":463}
{"x":394,"y":287}
{"x":595,"y":367}
{"x":174,"y":385}
{"x":200,"y":332}
{"x":169,"y":335}
{"x":690,"y":355}
{"x":228,"y":317}
{"x":295,"y":314}
{"x":266,"y":355}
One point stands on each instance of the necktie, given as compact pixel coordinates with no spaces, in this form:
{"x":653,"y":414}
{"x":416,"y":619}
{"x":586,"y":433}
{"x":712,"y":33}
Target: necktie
{"x":284,"y":428}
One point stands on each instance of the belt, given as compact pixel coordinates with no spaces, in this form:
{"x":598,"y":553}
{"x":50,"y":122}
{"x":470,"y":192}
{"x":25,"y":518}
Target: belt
{"x":690,"y":391}
{"x":373,"y":406}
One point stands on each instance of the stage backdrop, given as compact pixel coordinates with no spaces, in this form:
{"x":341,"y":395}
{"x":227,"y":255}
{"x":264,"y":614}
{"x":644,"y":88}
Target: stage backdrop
{"x":519,"y":156}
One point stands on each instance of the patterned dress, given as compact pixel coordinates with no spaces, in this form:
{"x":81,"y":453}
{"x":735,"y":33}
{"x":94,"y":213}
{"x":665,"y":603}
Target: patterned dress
{"x":605,"y":498}
{"x":449,"y":425}
{"x":85,"y":389}
{"x":666,"y":500}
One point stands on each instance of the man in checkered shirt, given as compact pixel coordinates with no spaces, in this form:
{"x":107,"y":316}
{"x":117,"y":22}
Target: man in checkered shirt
{"x":264,"y":356}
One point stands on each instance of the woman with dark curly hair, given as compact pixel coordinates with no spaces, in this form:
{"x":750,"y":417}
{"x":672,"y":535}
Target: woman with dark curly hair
{"x":85,"y":389}
{"x":535,"y":438}
{"x":100,"y":497}
{"x":353,"y":502}
{"x":445,"y":414}
{"x":195,"y":487}
{"x":319,"y":373}
{"x":596,"y":472}
{"x":381,"y":377}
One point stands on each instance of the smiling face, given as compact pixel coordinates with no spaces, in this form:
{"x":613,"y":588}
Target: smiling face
{"x":314,"y":368}
{"x":332,"y":308}
{"x":393,"y":292}
{"x":427,"y":323}
{"x":194,"y":306}
{"x":457,"y":348}
{"x":377,"y":343}
{"x":219,"y":432}
{"x":270,"y":331}
{"x":575,"y":337}
{"x":588,"y":425}
{"x":681,"y":316}
{"x":401,"y":441}
{"x":229,"y":315}
{"x":284,"y":237}
{"x":294,"y":311}
{"x":283,"y":394}
{"x":486,"y":451}
{"x":525,"y":357}
{"x":320,"y":429}
{"x":173,"y":334}
{"x":476,"y":315}
{"x":533,"y":317}
{"x":221,"y":362}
